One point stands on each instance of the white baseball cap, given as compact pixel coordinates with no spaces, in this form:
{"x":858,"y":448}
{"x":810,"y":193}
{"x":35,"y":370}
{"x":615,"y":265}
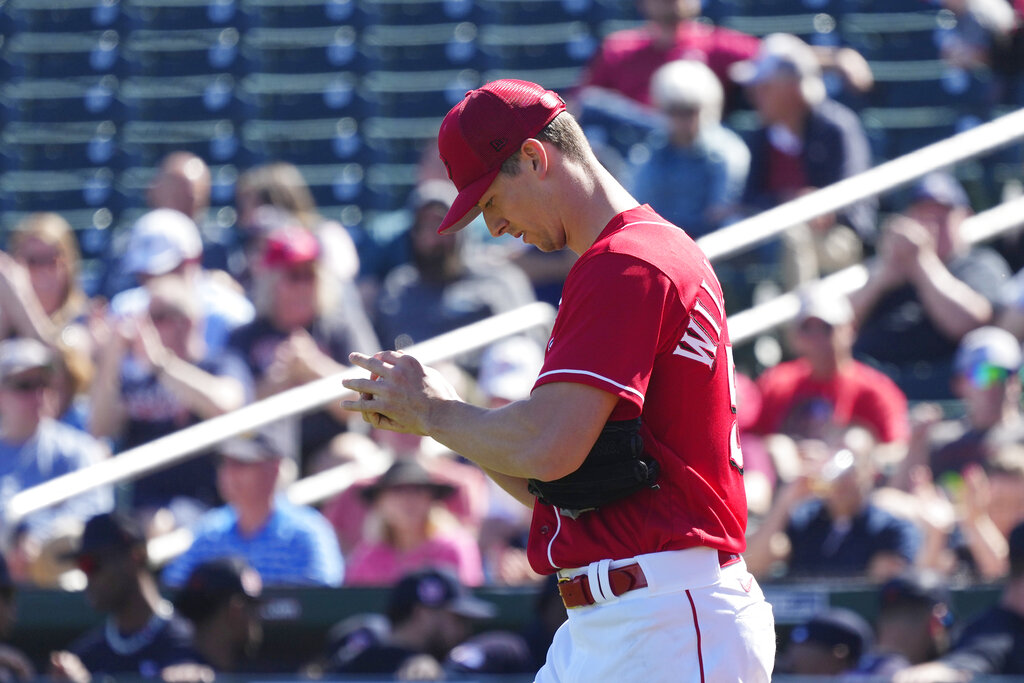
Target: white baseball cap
{"x":160,"y":241}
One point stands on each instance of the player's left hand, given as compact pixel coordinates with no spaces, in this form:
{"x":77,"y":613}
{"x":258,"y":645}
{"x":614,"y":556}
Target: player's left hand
{"x":400,"y":393}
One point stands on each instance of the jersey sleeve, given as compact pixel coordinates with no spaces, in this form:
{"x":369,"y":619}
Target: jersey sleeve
{"x":609,"y":328}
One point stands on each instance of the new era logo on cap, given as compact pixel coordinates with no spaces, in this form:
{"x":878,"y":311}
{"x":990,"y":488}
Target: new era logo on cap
{"x":482,"y":131}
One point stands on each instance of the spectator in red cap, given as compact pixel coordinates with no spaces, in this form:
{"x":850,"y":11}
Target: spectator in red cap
{"x":304,"y":329}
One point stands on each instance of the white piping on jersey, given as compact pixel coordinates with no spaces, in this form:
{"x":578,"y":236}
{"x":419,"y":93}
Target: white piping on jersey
{"x":558,"y":518}
{"x":593,"y":374}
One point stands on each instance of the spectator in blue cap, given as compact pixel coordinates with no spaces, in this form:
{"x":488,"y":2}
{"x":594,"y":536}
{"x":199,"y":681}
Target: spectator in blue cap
{"x":829,"y":643}
{"x":927,"y":289}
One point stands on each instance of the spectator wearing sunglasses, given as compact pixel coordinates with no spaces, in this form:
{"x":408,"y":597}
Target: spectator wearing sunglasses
{"x":34,"y":448}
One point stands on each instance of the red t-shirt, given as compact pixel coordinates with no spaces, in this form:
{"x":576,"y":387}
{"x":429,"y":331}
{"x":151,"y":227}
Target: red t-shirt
{"x":642,"y":317}
{"x":857,"y":395}
{"x":627,"y":59}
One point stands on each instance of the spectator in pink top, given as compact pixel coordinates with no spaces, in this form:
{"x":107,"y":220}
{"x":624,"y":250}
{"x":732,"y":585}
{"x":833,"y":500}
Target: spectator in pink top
{"x":408,"y":528}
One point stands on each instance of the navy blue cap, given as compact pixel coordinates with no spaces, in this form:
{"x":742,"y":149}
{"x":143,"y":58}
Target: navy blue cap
{"x":110,"y":531}
{"x":940,"y":187}
{"x":926,"y":589}
{"x":842,"y":630}
{"x":213,"y":583}
{"x":5,"y":574}
{"x":437,"y":588}
{"x":1016,"y":543}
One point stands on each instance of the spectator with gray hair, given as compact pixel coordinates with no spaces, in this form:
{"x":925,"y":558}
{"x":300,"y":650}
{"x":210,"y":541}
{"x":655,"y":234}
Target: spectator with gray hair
{"x":697,"y":168}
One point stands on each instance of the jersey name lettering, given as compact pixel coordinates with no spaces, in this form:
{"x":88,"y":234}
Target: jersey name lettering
{"x":698,"y":343}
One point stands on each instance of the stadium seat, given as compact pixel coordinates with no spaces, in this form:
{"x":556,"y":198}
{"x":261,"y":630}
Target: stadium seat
{"x":427,"y":47}
{"x":420,"y":12}
{"x":183,"y":98}
{"x":932,"y":83}
{"x":337,"y":184}
{"x":905,"y":129}
{"x":29,"y":191}
{"x":63,"y":16}
{"x":303,"y":50}
{"x":318,"y":141}
{"x":418,"y":94}
{"x":539,"y":46}
{"x":64,"y":55}
{"x":894,"y":36}
{"x":817,"y":29}
{"x":786,"y":7}
{"x":399,"y":140}
{"x":174,"y":15}
{"x":517,"y":12}
{"x":184,"y":52}
{"x":69,"y":99}
{"x":57,"y":146}
{"x":302,"y":13}
{"x":306,"y":96}
{"x":889,"y":6}
{"x":215,"y":141}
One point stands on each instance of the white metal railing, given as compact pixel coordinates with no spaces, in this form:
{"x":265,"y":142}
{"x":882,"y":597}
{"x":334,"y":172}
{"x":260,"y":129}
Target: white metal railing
{"x":745,"y":325}
{"x":172,"y":448}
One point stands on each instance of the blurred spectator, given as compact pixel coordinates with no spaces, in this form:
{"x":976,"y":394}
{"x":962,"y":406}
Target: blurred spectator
{"x":156,"y":376}
{"x":993,"y":643}
{"x":45,"y":248}
{"x":222,"y":600}
{"x":549,"y":613}
{"x":287,"y":545}
{"x":986,"y":380}
{"x":830,"y":643}
{"x":281,"y":185}
{"x":407,"y":529}
{"x":696,"y":174}
{"x":913,"y":625}
{"x":806,"y":141}
{"x":979,"y":26}
{"x":14,"y":665}
{"x":142,"y":635}
{"x":304,"y":330}
{"x":439,"y":289}
{"x":348,"y":638}
{"x":824,"y":391}
{"x":491,"y":652}
{"x":34,"y":449}
{"x":430,"y":613}
{"x":163,"y":242}
{"x":73,"y":372}
{"x":926,"y":290}
{"x":824,"y":522}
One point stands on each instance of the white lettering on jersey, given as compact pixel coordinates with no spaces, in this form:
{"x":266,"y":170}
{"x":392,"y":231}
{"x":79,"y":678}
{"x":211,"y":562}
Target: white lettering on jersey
{"x":697,"y":344}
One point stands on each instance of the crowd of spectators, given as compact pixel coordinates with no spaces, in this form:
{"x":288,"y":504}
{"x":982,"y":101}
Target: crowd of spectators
{"x":887,"y":447}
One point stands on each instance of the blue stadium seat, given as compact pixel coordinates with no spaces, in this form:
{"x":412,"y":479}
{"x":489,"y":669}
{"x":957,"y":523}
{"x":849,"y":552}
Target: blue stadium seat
{"x":29,"y":191}
{"x":338,"y":185}
{"x":58,"y":146}
{"x":516,"y":12}
{"x":183,"y":98}
{"x":184,"y":52}
{"x":540,"y":46}
{"x":418,"y":94}
{"x":419,"y":12}
{"x":215,"y":141}
{"x":922,"y":84}
{"x":817,"y":29}
{"x":302,"y":13}
{"x":400,"y":140}
{"x":309,"y":96}
{"x":427,"y":47}
{"x":787,"y":7}
{"x":63,"y":16}
{"x":163,"y":15}
{"x":905,"y":129}
{"x":303,"y":50}
{"x":318,"y":141}
{"x":894,"y":36}
{"x":889,"y":6}
{"x":64,"y":55}
{"x":68,"y":99}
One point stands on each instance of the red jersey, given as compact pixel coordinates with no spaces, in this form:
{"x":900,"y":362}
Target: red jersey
{"x":627,"y":59}
{"x":643,"y":317}
{"x":793,"y":402}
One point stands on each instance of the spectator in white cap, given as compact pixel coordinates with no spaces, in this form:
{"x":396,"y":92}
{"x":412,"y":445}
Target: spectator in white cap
{"x":34,"y":448}
{"x":824,"y":390}
{"x":806,"y":140}
{"x":165,"y":241}
{"x":697,"y":170}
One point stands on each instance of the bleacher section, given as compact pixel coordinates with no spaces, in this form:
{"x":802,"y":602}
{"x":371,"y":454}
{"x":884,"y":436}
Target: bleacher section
{"x":96,"y":91}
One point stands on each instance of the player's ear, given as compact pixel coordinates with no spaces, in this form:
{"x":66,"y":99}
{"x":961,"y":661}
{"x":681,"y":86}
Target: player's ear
{"x":536,"y":155}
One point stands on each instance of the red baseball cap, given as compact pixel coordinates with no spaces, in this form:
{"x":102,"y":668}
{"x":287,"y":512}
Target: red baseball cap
{"x":290,"y":246}
{"x":482,"y":131}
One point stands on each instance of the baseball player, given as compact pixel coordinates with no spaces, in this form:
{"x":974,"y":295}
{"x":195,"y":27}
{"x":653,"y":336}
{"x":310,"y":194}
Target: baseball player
{"x":627,"y":447}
